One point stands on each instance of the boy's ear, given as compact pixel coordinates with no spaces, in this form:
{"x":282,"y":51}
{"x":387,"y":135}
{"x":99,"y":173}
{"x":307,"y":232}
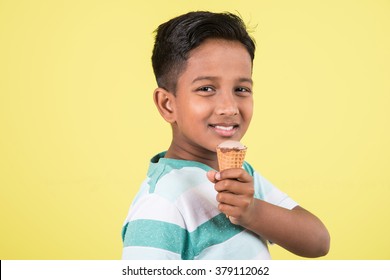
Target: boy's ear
{"x":165,"y":103}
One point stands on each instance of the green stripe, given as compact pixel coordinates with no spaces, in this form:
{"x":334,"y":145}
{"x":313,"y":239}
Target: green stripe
{"x":157,"y":234}
{"x":171,"y":237}
{"x":213,"y":232}
{"x":248,"y":168}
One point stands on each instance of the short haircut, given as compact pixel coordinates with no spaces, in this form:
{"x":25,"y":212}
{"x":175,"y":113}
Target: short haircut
{"x":178,"y":36}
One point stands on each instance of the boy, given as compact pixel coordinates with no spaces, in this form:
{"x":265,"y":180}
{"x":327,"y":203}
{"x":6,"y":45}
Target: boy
{"x":185,"y":209}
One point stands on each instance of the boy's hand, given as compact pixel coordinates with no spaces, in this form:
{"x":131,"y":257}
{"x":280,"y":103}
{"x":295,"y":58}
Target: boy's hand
{"x":235,"y":194}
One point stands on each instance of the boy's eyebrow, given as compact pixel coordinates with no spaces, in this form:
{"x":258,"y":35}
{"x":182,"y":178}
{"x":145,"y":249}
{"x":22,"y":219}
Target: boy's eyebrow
{"x":213,"y":78}
{"x":249,"y":80}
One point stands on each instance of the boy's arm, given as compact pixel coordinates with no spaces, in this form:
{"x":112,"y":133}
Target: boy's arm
{"x":296,"y":230}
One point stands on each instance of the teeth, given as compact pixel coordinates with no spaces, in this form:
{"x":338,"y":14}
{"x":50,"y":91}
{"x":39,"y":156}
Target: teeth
{"x":224,"y":127}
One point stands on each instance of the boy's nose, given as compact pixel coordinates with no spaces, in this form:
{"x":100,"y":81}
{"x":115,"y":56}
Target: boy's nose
{"x":227,"y":105}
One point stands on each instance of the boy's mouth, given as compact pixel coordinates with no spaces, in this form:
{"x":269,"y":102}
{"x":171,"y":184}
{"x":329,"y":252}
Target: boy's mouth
{"x":224,"y":130}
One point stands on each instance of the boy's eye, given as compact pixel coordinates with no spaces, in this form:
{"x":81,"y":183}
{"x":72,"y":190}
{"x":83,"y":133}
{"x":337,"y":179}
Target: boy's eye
{"x":206,"y":90}
{"x":243,"y":90}
{"x":209,"y":89}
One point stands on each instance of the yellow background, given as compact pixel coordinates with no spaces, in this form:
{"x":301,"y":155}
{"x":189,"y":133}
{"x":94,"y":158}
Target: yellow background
{"x":78,"y":124}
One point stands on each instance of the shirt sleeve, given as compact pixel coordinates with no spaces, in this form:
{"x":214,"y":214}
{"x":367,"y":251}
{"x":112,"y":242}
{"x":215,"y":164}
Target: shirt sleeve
{"x":154,"y":230}
{"x":264,"y":190}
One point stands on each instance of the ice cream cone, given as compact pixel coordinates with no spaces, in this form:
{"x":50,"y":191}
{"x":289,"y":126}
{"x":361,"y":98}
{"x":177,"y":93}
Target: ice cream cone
{"x":231,"y":154}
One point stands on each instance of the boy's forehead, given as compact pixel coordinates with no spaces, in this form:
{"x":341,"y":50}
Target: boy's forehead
{"x":214,"y":58}
{"x":216,"y":78}
{"x":210,"y":45}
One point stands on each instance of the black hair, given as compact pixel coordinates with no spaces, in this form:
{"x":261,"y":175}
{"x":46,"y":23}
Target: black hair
{"x":178,"y":36}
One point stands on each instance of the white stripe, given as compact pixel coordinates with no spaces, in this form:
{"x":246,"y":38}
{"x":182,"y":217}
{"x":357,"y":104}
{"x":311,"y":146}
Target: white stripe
{"x":287,"y":203}
{"x":243,"y":246}
{"x":193,"y":194}
{"x":154,"y":207}
{"x":198,"y":205}
{"x":178,"y":181}
{"x":148,"y":253}
{"x":272,"y":194}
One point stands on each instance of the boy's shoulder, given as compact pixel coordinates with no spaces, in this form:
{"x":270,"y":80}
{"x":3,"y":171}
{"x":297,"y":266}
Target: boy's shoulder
{"x":169,"y":175}
{"x":173,"y":176}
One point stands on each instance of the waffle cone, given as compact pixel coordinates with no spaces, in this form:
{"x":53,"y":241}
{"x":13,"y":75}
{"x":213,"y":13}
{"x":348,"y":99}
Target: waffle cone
{"x":230,"y":158}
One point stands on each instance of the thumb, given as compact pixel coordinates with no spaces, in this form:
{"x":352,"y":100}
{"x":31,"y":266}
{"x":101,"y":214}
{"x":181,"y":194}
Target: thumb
{"x":211,"y":176}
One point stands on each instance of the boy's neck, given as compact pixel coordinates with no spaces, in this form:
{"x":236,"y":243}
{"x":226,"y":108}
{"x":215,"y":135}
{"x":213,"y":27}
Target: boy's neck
{"x":204,"y":156}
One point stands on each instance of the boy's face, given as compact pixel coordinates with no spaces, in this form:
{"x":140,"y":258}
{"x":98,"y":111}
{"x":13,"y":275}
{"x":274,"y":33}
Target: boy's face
{"x":213,"y":101}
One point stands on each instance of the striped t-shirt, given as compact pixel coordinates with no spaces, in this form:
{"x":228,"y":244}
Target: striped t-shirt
{"x":175,"y":216}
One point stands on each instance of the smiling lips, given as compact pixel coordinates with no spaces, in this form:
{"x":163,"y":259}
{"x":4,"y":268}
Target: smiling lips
{"x":225,"y":130}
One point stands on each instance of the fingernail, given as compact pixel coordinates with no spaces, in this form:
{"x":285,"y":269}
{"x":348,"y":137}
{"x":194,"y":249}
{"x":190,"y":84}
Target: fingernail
{"x":218,"y":176}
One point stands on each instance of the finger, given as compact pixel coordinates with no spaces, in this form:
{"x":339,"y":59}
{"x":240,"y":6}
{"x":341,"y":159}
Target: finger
{"x":211,"y":176}
{"x":238,"y":201}
{"x":235,"y":187}
{"x":229,"y":185}
{"x":235,"y":173}
{"x":228,"y":210}
{"x":228,"y":198}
